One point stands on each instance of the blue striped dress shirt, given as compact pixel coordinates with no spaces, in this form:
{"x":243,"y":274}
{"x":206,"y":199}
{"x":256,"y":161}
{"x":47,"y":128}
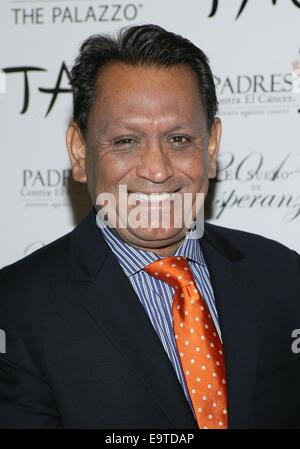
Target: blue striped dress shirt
{"x":156,"y":296}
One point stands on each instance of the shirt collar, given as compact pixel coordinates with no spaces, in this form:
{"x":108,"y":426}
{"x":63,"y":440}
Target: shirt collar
{"x":134,"y":260}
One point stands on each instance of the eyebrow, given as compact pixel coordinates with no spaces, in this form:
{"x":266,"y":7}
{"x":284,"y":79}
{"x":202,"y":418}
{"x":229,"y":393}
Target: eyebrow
{"x":126,"y":127}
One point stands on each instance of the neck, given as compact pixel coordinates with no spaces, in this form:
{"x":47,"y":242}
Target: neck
{"x":164,"y":251}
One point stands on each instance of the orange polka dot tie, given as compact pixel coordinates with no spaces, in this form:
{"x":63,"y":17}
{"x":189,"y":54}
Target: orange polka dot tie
{"x":199,"y":346}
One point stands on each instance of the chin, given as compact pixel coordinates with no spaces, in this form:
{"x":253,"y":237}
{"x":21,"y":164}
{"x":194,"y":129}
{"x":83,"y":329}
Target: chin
{"x":154,"y":236}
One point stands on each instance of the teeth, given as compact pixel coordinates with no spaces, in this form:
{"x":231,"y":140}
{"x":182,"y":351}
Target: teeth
{"x":152,"y":196}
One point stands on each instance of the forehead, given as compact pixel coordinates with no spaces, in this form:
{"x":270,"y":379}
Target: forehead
{"x":123,"y":74}
{"x":127,"y":89}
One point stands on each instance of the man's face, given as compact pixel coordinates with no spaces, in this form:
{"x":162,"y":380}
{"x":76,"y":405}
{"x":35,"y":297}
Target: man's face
{"x":147,"y":130}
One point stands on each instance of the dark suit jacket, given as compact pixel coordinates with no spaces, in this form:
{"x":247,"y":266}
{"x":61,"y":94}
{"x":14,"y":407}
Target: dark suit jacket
{"x":81,"y":351}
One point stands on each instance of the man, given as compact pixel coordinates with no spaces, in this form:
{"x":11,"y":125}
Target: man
{"x":101,"y":330}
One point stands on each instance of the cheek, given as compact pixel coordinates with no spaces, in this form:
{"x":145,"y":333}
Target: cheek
{"x":110,"y":172}
{"x":196,"y":168}
{"x":95,"y":173}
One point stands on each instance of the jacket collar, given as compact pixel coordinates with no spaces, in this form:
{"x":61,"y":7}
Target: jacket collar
{"x":89,"y":249}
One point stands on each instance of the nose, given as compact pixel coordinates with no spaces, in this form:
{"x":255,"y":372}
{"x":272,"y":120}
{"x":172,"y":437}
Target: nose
{"x":155,"y":165}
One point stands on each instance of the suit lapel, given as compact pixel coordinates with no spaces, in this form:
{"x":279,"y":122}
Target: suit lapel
{"x":236,"y":297}
{"x":113,"y":303}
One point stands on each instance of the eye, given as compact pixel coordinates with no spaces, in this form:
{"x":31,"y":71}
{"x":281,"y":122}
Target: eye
{"x":180,"y":139}
{"x":125,"y":141}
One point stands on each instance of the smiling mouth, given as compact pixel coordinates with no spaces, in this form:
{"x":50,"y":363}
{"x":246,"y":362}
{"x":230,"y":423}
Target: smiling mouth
{"x":153,"y":197}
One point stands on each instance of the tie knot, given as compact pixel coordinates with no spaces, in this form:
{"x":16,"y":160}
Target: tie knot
{"x":173,"y":270}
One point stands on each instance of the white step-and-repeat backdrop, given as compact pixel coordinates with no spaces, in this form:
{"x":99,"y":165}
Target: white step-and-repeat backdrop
{"x":254,"y":50}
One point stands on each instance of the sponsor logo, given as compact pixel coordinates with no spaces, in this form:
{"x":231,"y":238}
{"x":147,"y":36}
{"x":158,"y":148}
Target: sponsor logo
{"x":51,"y":187}
{"x":259,"y":93}
{"x":243,"y":4}
{"x":76,"y":13}
{"x":59,"y":87}
{"x":251,"y":184}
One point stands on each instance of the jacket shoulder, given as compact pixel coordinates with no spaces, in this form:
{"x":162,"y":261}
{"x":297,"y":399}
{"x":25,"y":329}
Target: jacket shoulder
{"x":37,"y":260}
{"x":31,"y":276}
{"x":251,"y":244}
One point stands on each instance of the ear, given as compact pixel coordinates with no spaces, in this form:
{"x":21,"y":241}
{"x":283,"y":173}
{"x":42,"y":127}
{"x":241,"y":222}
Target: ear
{"x":213,"y":147}
{"x":77,"y":152}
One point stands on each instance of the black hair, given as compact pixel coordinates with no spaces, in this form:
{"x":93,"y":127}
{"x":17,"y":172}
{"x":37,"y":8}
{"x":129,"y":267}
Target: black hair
{"x":147,"y":45}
